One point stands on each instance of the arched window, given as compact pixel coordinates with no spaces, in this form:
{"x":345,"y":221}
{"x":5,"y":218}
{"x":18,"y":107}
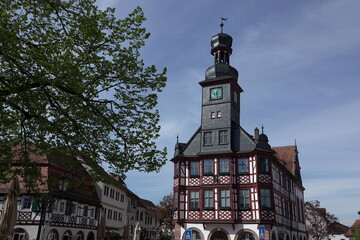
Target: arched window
{"x":91,"y":236}
{"x":273,"y":236}
{"x":219,"y":235}
{"x":246,"y":236}
{"x":19,"y":234}
{"x":196,"y":235}
{"x":67,"y":235}
{"x":53,"y":235}
{"x":79,"y":236}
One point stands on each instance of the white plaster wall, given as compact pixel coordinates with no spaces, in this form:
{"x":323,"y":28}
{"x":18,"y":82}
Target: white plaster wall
{"x":31,"y":230}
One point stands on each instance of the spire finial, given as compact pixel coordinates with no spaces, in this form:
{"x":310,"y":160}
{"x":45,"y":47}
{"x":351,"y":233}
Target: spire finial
{"x":262,"y":129}
{"x":177,"y":138}
{"x":221,"y":23}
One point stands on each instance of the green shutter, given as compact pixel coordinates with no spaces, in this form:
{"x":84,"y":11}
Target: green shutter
{"x":85,"y":213}
{"x":69,"y":205}
{"x":35,"y":206}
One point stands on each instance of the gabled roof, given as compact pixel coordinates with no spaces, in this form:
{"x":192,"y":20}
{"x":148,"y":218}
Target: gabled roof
{"x":149,"y":206}
{"x":337,"y":228}
{"x":287,"y":155}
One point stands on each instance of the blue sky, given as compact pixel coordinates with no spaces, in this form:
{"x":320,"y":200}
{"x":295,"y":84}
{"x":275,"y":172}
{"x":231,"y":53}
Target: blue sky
{"x":299,"y":66}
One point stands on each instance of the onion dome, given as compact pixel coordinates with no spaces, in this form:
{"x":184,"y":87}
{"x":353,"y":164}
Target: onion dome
{"x":221,"y":50}
{"x":262,"y":140}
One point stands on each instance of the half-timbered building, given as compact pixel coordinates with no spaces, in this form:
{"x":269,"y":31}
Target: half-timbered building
{"x":65,"y":206}
{"x":229,"y":184}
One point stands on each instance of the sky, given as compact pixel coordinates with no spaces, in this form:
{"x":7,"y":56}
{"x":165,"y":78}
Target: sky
{"x":299,"y":67}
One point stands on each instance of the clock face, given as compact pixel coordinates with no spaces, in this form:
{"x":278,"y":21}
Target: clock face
{"x":216,"y":93}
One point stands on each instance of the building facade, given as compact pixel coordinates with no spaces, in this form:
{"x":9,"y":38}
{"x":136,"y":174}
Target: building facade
{"x":60,"y":209}
{"x":228,"y":184}
{"x":114,"y":200}
{"x":126,"y":214}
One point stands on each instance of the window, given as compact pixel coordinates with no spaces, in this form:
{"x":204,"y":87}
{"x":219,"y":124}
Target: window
{"x":223,"y":137}
{"x":208,"y":199}
{"x":68,"y":208}
{"x":244,"y":199}
{"x":109,"y":215}
{"x":92,"y":211}
{"x":79,"y":236}
{"x":53,"y":235}
{"x":26,"y":203}
{"x":263,"y":165}
{"x":213,"y":115}
{"x":176,"y":169}
{"x":235,"y":97}
{"x":175,"y":200}
{"x":117,"y":196}
{"x":219,"y":235}
{"x":106,"y":191}
{"x":243,"y":165}
{"x":207,"y":138}
{"x":218,"y":114}
{"x":112,"y":192}
{"x":73,"y":208}
{"x":85,"y":212}
{"x":120,"y":216}
{"x":196,"y":235}
{"x":224,"y":165}
{"x":194,"y":168}
{"x":265,"y":198}
{"x":67,"y":235}
{"x":122,"y":198}
{"x":224,"y":198}
{"x":115,"y":215}
{"x":194,"y":200}
{"x":62,"y":206}
{"x":246,"y":236}
{"x":208,"y":166}
{"x":19,"y":234}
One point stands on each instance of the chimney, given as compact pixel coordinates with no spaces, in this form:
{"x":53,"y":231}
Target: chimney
{"x":256,"y":134}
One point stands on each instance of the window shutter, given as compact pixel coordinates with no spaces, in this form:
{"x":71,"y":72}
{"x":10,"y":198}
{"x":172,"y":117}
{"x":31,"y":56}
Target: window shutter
{"x":35,"y":206}
{"x":69,"y":205}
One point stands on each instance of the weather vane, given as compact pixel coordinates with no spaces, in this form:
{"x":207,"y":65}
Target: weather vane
{"x":221,"y":23}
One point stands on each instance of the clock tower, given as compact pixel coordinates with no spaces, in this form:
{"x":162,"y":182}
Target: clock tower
{"x":220,"y":114}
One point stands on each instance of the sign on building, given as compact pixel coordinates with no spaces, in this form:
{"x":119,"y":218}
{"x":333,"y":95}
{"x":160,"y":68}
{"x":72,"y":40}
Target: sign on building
{"x":262,"y":232}
{"x":188,"y":235}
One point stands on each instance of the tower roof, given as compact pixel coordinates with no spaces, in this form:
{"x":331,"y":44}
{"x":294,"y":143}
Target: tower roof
{"x":221,"y":50}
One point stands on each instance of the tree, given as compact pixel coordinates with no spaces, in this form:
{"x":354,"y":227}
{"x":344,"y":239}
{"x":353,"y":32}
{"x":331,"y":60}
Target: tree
{"x":356,"y":233}
{"x":72,"y":80}
{"x":165,"y":213}
{"x":318,"y":220}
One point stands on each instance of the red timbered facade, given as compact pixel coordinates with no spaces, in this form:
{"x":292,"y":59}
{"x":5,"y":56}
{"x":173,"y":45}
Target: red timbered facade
{"x":228,"y":184}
